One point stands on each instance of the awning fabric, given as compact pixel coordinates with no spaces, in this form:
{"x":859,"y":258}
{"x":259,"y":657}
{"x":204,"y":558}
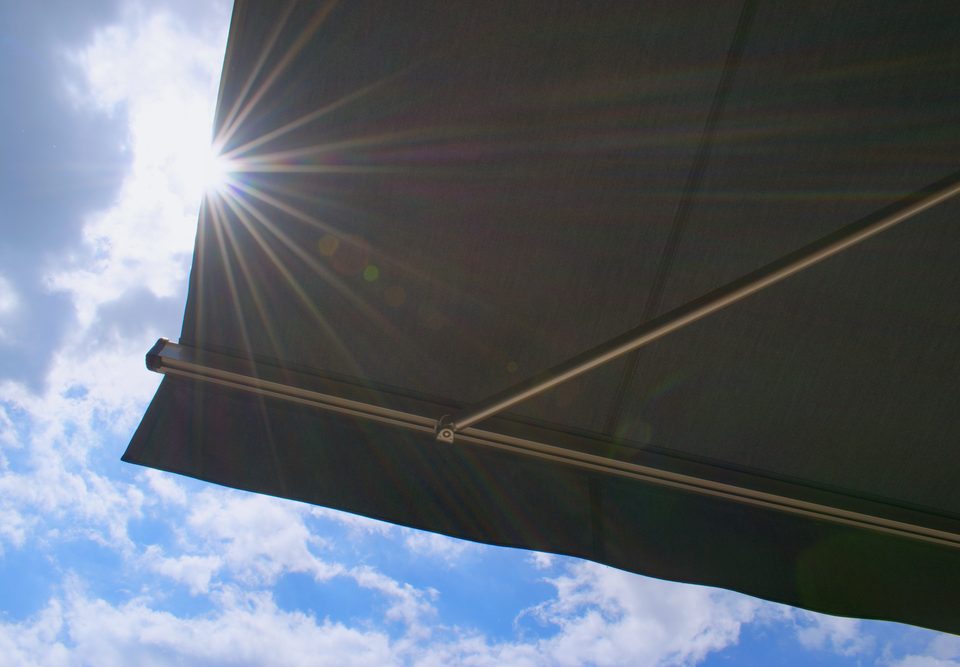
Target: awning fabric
{"x":434,"y":200}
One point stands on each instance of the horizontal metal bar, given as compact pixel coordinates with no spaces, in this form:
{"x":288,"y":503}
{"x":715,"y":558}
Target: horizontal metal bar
{"x":689,"y":313}
{"x":177,"y":360}
{"x":173,"y":359}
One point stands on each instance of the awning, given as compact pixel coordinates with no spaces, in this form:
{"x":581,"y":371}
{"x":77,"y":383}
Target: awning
{"x":437,"y":206}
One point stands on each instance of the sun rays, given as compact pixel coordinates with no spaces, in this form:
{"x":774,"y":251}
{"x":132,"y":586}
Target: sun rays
{"x":267,"y":205}
{"x":272,"y":180}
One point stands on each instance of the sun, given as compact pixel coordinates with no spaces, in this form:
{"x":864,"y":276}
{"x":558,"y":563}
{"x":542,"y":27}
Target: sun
{"x":214,"y":172}
{"x":203,"y":168}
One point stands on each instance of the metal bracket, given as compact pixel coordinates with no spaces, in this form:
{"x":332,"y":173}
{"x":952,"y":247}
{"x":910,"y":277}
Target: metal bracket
{"x":155,"y":355}
{"x":445,"y":430}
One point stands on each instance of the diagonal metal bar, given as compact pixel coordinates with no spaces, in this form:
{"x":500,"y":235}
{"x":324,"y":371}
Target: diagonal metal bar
{"x":697,"y":309}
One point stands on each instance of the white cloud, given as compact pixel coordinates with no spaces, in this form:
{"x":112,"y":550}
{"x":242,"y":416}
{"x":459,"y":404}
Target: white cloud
{"x":598,"y":616}
{"x":254,"y":540}
{"x":165,"y":488}
{"x":35,"y":642}
{"x":604,"y":618}
{"x":8,"y":434}
{"x":407,"y":603}
{"x":542,"y":561}
{"x":108,"y":382}
{"x":259,"y":538}
{"x":357,"y":525}
{"x":945,"y":646}
{"x":448,"y":550}
{"x":609,"y":617}
{"x":833,"y":633}
{"x":925,"y":661}
{"x":89,"y":396}
{"x":162,"y":74}
{"x":942,"y":651}
{"x":13,"y":527}
{"x":72,"y":504}
{"x":245,"y":630}
{"x":9,"y":300}
{"x":473,"y":650}
{"x":8,"y":296}
{"x":193,"y":571}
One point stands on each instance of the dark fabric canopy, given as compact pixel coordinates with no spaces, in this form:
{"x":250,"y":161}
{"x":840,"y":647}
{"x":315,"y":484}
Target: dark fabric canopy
{"x":434,"y":200}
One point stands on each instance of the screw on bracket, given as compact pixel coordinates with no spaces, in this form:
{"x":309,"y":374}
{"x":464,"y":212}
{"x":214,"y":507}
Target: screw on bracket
{"x":445,"y":429}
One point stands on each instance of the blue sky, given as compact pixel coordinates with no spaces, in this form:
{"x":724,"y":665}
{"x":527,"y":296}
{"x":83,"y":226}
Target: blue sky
{"x":106,"y":120}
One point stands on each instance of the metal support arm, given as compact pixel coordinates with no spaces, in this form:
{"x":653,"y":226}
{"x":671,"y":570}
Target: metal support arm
{"x":718,"y":299}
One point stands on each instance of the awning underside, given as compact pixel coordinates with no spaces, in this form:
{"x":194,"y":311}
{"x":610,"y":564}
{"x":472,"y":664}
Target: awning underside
{"x":446,"y":199}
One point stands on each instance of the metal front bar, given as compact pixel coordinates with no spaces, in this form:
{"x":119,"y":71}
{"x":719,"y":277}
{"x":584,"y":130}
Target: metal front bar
{"x":180,"y":360}
{"x":186,"y":362}
{"x":680,"y":317}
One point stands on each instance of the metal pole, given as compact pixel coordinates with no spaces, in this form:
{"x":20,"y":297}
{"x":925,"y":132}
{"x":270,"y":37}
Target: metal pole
{"x":238,"y":374}
{"x":699,"y":308}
